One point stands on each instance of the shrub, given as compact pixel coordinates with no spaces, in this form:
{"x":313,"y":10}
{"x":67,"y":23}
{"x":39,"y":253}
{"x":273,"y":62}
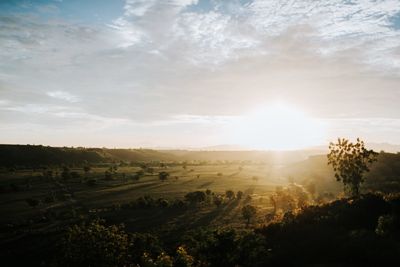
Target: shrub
{"x":195,"y":197}
{"x":95,"y":244}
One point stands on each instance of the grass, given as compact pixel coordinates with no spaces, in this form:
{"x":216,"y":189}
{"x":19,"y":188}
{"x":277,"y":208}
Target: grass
{"x":106,"y":193}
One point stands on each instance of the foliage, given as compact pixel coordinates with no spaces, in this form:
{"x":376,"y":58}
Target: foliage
{"x":95,"y":244}
{"x":386,"y":225}
{"x":248,"y":213}
{"x":217,"y":200}
{"x":195,"y":197}
{"x":163,"y":176}
{"x":183,"y":259}
{"x":230,"y":194}
{"x":350,"y":161}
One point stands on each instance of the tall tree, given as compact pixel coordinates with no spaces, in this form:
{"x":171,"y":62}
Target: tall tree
{"x":350,"y":161}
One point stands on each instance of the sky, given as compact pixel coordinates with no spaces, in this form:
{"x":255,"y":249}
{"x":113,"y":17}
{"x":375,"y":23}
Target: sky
{"x":193,"y":73}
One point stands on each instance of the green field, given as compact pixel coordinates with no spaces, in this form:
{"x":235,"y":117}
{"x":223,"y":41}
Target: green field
{"x":75,"y":194}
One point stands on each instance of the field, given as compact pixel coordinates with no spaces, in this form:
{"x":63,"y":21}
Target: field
{"x":172,"y":202}
{"x":74,"y":197}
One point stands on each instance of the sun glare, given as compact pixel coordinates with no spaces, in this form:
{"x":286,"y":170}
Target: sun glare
{"x":278,"y":127}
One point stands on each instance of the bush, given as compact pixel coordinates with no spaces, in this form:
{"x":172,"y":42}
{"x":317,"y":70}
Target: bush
{"x":195,"y":197}
{"x":95,"y":244}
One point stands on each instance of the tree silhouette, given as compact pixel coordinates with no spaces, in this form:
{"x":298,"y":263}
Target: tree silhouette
{"x":163,"y":176}
{"x":230,"y":194}
{"x":350,"y":161}
{"x":195,"y":197}
{"x":96,"y":244}
{"x":248,"y":213}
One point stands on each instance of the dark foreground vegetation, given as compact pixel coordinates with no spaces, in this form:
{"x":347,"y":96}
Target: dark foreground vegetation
{"x":364,"y":230}
{"x":95,"y":207}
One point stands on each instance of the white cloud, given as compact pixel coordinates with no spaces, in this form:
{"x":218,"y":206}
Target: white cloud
{"x":230,"y":30}
{"x":64,"y":96}
{"x":163,"y":58}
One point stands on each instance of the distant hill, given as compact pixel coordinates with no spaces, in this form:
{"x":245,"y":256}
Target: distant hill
{"x":270,"y":157}
{"x":36,"y":155}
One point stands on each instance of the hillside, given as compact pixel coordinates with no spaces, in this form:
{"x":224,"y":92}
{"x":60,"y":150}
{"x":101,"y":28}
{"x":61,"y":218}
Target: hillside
{"x":37,"y":155}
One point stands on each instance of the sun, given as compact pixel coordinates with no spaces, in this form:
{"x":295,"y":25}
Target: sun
{"x":278,"y":127}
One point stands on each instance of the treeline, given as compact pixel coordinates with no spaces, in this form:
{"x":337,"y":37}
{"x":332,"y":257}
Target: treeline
{"x":37,"y":155}
{"x":34,"y":156}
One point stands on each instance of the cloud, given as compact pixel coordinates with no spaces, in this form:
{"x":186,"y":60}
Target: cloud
{"x":226,"y":29}
{"x":64,"y":96}
{"x":175,"y":64}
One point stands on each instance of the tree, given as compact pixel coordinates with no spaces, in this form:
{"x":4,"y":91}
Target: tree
{"x":248,"y":212}
{"x":350,"y":161}
{"x":183,"y":259}
{"x":195,"y":197}
{"x":95,"y":244}
{"x":217,"y":201}
{"x":230,"y":194}
{"x":239,"y":195}
{"x":163,"y":176}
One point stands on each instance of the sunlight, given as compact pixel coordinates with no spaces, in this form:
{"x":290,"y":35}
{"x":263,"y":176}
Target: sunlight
{"x":278,"y":127}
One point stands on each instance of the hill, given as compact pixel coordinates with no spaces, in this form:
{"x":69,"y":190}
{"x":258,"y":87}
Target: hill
{"x":37,"y":155}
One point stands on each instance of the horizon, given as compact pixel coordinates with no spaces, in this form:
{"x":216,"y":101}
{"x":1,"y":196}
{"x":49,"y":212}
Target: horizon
{"x":378,"y":147}
{"x":199,"y":73}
